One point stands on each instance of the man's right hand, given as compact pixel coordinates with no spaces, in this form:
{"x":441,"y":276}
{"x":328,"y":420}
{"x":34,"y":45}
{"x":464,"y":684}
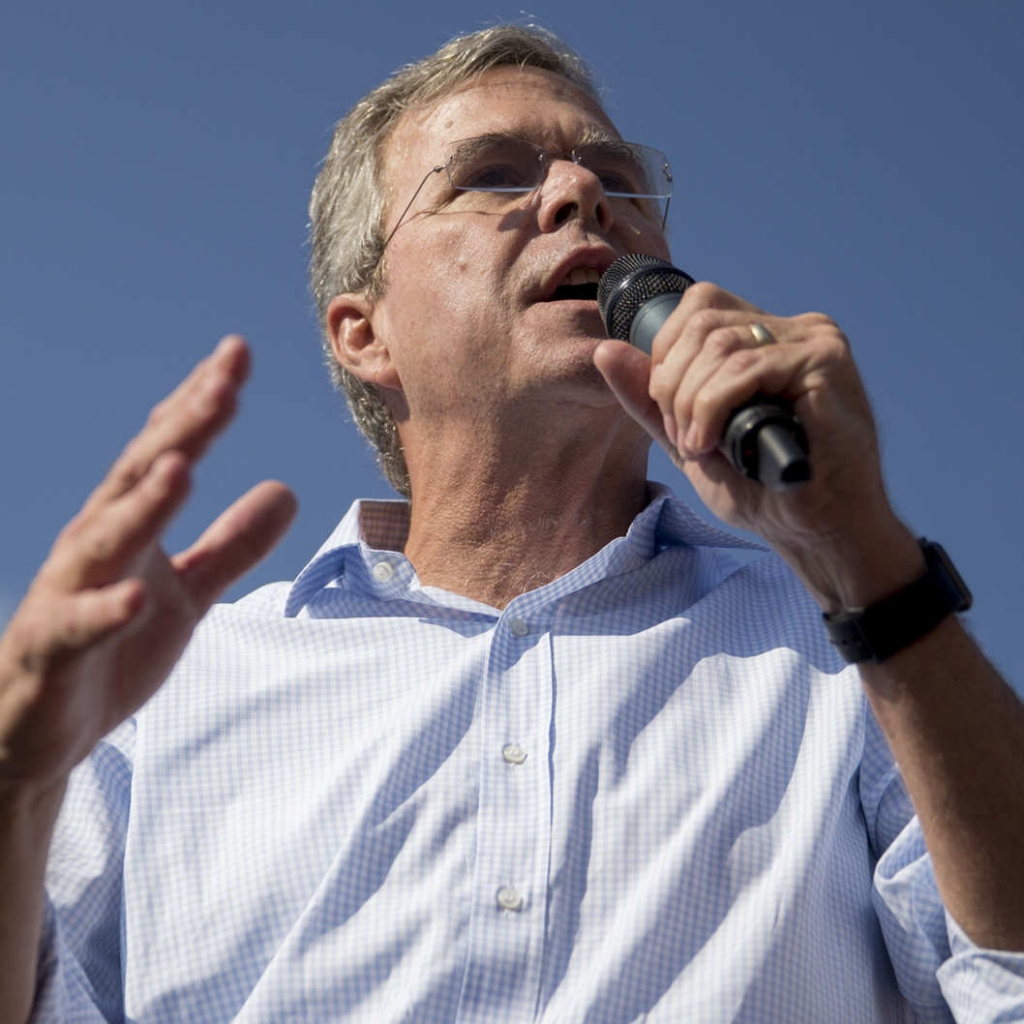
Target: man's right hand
{"x":109,"y":613}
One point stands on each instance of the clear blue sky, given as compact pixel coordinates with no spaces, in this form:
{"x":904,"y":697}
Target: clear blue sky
{"x":862,"y":159}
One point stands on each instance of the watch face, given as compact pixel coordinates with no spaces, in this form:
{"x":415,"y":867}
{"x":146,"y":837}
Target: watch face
{"x":944,"y":568}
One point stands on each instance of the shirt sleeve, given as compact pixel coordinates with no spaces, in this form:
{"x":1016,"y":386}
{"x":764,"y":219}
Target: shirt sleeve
{"x":941,"y":973}
{"x":79,"y":976}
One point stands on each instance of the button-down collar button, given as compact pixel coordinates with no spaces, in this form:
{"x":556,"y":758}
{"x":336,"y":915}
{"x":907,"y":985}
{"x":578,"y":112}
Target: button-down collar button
{"x":509,"y":898}
{"x":383,"y":571}
{"x":514,"y":754}
{"x":518,"y":627}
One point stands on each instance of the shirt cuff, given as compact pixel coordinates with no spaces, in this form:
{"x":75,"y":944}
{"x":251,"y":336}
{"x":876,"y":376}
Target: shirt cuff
{"x":982,"y":986}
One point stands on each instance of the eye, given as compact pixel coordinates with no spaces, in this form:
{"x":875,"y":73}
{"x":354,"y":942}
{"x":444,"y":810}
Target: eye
{"x":622,"y":175}
{"x":492,"y":176}
{"x":618,"y":181}
{"x":496,"y":163}
{"x":618,"y":167}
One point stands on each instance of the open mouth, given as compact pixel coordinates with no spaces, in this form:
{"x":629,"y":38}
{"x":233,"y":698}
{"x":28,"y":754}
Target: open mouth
{"x":575,"y":291}
{"x":579,"y":284}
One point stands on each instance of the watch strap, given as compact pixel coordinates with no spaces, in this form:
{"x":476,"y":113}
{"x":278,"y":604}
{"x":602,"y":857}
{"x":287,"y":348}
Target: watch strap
{"x":880,"y":630}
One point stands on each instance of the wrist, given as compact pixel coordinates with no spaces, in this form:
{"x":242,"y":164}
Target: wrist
{"x":24,"y":801}
{"x":857,"y":570}
{"x":877,"y":631}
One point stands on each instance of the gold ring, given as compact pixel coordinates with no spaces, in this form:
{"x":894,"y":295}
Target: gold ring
{"x":761,"y":334}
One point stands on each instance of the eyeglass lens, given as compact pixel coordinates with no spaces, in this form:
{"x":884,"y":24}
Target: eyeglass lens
{"x":504,"y":163}
{"x":501,"y":163}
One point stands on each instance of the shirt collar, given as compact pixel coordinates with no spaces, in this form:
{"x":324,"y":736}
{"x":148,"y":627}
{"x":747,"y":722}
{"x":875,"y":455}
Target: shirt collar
{"x":373,"y":532}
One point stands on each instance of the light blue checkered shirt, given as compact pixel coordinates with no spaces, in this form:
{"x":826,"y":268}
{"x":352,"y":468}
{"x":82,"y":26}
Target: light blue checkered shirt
{"x":648,"y":791}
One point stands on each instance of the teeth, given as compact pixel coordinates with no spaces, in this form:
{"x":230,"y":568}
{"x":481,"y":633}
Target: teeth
{"x":582,"y":275}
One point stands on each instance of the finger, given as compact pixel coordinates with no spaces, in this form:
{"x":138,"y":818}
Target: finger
{"x":706,"y":338}
{"x":98,"y":545}
{"x":702,"y":296}
{"x":812,"y":350}
{"x":236,"y":541}
{"x":45,"y":627}
{"x":92,"y":615}
{"x":772,"y":369}
{"x":719,"y":347}
{"x":187,"y":420}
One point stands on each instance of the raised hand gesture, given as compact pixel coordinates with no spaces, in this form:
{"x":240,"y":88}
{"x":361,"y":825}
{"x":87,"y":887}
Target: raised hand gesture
{"x":109,"y":612}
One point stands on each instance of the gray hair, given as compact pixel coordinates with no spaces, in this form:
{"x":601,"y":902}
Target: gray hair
{"x":346,"y":209}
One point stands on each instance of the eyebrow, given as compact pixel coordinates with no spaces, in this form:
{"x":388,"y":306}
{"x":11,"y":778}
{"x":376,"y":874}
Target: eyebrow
{"x":593,"y":133}
{"x":598,"y":134}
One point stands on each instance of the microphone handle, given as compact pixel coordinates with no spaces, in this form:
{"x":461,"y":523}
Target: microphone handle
{"x":763,"y":439}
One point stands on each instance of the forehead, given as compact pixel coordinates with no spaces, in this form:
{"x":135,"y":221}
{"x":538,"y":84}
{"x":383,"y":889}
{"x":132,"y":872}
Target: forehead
{"x":540,"y":105}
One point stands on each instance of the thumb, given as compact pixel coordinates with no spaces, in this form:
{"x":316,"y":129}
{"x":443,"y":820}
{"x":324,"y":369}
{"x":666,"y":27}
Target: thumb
{"x":627,"y":372}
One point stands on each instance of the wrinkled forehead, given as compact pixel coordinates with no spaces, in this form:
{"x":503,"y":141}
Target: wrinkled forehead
{"x":529,"y":102}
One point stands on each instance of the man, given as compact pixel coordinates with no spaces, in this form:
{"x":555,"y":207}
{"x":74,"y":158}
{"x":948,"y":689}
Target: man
{"x":537,"y":745}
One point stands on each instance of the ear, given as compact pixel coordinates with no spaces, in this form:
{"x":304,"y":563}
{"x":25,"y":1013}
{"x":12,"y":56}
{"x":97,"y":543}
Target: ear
{"x":355,"y":344}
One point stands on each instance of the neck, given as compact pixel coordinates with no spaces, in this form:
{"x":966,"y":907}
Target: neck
{"x":503,"y":517}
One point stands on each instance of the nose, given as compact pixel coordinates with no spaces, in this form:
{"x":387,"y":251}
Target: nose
{"x":570,"y":190}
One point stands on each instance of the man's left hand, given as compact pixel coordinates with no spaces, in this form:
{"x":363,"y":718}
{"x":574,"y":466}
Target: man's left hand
{"x":839,"y":531}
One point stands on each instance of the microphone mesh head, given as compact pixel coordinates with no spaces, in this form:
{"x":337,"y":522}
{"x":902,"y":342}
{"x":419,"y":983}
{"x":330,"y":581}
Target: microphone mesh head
{"x":628,"y":283}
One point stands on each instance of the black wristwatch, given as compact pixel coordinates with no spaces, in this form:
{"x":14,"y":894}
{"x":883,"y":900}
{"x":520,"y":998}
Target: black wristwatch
{"x":887,"y":626}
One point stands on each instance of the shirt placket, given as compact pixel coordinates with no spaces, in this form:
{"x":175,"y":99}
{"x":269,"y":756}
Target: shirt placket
{"x":503,"y":971}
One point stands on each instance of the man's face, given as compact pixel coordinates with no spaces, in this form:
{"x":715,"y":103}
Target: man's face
{"x":471,"y":314}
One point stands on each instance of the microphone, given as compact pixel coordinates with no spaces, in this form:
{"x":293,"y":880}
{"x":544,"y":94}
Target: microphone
{"x":763,"y":439}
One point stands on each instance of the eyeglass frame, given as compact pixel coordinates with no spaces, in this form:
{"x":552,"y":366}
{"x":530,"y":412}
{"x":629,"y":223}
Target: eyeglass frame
{"x":546,"y":162}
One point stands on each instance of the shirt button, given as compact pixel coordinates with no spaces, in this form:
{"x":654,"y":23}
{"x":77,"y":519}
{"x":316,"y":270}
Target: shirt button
{"x":383,"y":571}
{"x":509,"y":898}
{"x":514,"y":754}
{"x":518,"y":627}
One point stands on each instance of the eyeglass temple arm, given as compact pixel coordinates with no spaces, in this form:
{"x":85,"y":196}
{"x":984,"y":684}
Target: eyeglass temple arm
{"x":408,"y":205}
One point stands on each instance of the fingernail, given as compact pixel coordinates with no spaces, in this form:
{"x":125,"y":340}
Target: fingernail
{"x":691,"y":442}
{"x":671,"y":430}
{"x":226,"y":344}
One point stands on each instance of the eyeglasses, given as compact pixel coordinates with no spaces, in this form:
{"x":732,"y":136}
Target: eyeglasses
{"x":506,"y":164}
